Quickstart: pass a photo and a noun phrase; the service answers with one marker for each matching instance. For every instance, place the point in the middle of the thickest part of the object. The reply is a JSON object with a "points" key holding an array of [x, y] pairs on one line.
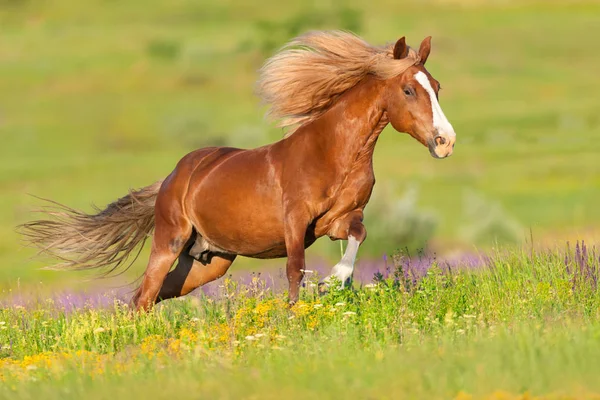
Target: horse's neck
{"points": [[350, 129]]}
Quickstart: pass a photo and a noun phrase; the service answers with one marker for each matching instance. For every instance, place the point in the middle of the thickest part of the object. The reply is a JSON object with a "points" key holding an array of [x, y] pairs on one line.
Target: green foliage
{"points": [[397, 223], [272, 34], [517, 326], [487, 222], [163, 49], [100, 97]]}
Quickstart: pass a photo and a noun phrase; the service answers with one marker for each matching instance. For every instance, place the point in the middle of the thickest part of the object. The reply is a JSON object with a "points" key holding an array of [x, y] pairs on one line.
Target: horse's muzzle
{"points": [[442, 146]]}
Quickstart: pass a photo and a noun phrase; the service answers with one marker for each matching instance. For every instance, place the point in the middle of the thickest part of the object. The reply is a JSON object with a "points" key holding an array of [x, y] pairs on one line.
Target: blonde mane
{"points": [[305, 78]]}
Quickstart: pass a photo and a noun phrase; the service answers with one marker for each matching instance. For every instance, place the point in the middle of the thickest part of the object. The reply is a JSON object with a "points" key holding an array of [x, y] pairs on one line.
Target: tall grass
{"points": [[525, 322]]}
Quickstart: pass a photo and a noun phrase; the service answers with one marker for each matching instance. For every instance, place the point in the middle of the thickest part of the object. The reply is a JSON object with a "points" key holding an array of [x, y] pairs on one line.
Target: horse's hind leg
{"points": [[172, 231], [190, 274]]}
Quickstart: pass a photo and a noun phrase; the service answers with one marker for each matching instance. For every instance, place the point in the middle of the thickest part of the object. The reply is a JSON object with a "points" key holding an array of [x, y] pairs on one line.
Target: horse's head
{"points": [[412, 103]]}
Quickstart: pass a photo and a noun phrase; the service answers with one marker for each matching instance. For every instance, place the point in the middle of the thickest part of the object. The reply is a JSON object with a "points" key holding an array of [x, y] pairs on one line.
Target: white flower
{"points": [[370, 286], [31, 367], [250, 338], [307, 271], [279, 337], [2, 323], [349, 313], [99, 330], [340, 304], [317, 305], [259, 335]]}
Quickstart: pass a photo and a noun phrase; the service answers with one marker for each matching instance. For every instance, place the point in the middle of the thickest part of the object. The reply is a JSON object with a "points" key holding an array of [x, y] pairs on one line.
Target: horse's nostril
{"points": [[439, 140]]}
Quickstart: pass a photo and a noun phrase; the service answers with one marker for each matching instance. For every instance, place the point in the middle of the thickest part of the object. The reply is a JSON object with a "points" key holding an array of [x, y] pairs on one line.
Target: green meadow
{"points": [[102, 96], [524, 327], [99, 97]]}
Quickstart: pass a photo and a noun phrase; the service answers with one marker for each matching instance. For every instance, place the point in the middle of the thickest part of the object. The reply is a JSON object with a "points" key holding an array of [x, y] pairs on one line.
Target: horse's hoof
{"points": [[323, 288]]}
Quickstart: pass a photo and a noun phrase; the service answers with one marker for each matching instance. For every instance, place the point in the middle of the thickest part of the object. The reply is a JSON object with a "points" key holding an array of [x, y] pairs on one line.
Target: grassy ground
{"points": [[96, 98], [523, 327]]}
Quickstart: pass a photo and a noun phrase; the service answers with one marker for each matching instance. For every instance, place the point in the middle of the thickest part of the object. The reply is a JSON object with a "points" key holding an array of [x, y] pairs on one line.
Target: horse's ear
{"points": [[424, 49], [400, 49]]}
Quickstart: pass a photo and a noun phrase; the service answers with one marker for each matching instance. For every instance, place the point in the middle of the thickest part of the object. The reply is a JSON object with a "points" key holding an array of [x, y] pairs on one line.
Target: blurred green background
{"points": [[97, 97]]}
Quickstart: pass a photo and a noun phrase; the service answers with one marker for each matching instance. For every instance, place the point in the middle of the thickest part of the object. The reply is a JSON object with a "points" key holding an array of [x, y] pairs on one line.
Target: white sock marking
{"points": [[440, 122], [344, 269]]}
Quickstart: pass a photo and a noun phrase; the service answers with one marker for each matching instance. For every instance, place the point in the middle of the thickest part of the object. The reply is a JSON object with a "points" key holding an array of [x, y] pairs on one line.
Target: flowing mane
{"points": [[305, 78]]}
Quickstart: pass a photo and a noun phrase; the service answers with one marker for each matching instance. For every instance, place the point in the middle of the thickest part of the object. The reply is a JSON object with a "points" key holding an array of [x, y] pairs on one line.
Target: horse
{"points": [[335, 93]]}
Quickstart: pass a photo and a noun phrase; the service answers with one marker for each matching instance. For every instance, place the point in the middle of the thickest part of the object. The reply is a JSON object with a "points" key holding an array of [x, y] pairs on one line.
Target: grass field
{"points": [[525, 326], [96, 98]]}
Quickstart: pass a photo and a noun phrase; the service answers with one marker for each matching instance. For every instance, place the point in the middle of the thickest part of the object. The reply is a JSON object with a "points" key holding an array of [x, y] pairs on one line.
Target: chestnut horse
{"points": [[274, 201]]}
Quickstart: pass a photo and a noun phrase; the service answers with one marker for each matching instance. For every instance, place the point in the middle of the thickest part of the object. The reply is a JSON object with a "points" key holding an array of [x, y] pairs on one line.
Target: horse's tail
{"points": [[104, 239]]}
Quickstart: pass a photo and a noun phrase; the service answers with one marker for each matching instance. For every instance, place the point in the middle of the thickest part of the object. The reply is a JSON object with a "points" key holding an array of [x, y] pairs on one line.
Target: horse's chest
{"points": [[356, 190], [351, 194]]}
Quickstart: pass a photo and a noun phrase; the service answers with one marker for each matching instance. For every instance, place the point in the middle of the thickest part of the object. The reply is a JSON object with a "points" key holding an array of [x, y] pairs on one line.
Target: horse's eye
{"points": [[407, 92]]}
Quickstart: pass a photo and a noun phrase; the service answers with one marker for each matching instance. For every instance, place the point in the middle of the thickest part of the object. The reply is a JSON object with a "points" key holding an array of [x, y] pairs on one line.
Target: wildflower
{"points": [[317, 305], [280, 337], [307, 271], [31, 367], [99, 330], [460, 331], [347, 313], [370, 286], [291, 317], [259, 335], [340, 304], [195, 319], [250, 338], [2, 323]]}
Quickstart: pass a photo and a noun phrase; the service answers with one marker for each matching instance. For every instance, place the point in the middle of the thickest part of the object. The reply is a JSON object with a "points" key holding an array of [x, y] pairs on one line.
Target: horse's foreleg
{"points": [[295, 232], [352, 229], [190, 274]]}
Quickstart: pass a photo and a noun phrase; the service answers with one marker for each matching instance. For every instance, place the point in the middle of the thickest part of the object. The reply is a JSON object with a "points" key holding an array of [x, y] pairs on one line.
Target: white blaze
{"points": [[440, 122]]}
